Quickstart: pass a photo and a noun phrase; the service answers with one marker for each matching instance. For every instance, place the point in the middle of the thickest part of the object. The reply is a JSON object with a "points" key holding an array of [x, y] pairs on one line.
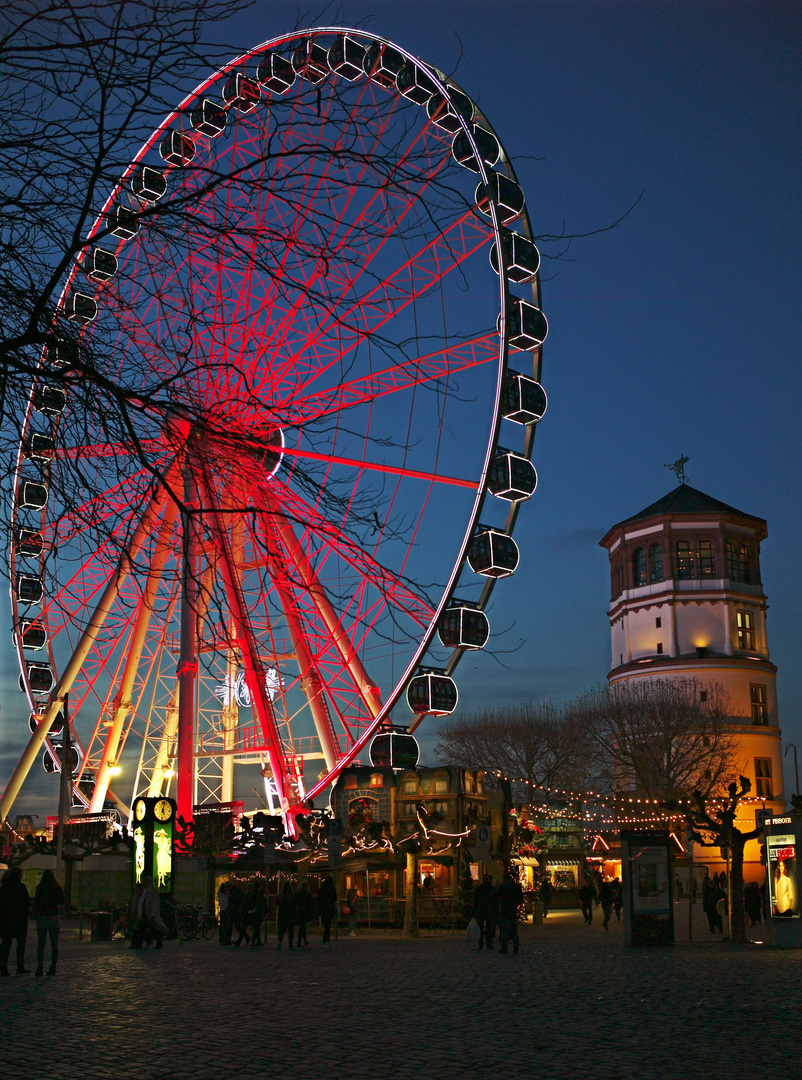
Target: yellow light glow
{"points": [[169, 774], [114, 770]]}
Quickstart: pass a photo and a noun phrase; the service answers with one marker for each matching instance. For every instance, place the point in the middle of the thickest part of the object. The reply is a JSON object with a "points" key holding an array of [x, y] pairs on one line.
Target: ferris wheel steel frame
{"points": [[292, 572]]}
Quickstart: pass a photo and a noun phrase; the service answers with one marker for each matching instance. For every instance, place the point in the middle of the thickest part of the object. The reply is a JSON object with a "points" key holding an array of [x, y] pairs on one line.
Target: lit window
{"points": [[707, 559], [684, 559], [655, 563], [440, 787], [760, 708], [763, 778], [376, 780], [746, 637], [410, 787], [639, 568]]}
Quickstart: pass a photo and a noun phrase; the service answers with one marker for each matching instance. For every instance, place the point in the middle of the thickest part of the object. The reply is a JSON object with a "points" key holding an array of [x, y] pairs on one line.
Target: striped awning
{"points": [[562, 862]]}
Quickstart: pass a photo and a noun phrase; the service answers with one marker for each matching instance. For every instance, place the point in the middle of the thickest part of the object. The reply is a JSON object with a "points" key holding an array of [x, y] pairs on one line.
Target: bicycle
{"points": [[195, 924]]}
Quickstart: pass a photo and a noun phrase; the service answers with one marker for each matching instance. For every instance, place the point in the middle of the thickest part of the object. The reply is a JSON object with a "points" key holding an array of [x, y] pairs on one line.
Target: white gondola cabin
{"points": [[29, 588], [522, 399], [40, 678], [487, 148], [394, 749], [39, 447], [209, 119], [445, 112], [29, 544], [275, 73], [30, 634], [520, 257], [493, 553], [505, 193], [463, 627], [73, 760], [32, 495], [432, 693], [415, 83], [56, 727], [177, 148], [311, 62], [148, 184], [382, 64], [80, 308], [511, 477], [242, 93], [122, 222], [99, 264], [526, 324], [346, 58], [49, 400]]}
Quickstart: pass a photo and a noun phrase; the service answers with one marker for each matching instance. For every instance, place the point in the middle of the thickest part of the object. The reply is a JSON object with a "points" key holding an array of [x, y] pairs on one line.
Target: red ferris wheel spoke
{"points": [[376, 466]]}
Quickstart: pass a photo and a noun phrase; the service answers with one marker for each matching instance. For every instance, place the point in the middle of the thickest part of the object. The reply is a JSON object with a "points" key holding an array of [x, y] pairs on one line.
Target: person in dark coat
{"points": [[618, 898], [286, 913], [246, 912], [15, 905], [48, 900], [327, 907], [586, 898], [304, 911], [545, 894], [509, 897], [606, 901], [485, 911]]}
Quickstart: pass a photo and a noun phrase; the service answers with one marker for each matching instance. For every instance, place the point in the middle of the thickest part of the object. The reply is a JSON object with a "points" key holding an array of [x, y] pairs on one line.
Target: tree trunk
{"points": [[735, 891], [411, 896]]}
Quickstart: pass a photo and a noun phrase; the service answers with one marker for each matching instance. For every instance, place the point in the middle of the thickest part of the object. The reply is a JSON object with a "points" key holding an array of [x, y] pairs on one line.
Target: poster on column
{"points": [[650, 895], [781, 860]]}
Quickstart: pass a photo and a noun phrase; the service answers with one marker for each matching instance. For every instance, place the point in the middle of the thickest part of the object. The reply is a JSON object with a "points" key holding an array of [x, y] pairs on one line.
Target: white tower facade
{"points": [[687, 602]]}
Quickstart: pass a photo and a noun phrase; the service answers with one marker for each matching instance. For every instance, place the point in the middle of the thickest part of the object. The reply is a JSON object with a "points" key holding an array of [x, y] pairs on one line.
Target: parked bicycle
{"points": [[195, 923]]}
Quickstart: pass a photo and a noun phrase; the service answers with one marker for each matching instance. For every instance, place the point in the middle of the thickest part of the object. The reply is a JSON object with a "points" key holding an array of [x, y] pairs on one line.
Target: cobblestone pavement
{"points": [[574, 1003]]}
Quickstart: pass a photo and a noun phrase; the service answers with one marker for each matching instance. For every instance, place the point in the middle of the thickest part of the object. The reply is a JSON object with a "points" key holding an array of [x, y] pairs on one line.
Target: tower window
{"points": [[659, 647], [684, 559], [763, 787], [658, 622], [746, 637], [655, 563], [743, 563], [737, 561], [703, 698], [760, 708], [639, 567], [707, 559]]}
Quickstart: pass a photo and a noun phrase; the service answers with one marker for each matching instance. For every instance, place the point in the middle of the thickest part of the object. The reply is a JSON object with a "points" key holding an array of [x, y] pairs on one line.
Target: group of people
{"points": [[498, 906], [15, 911], [601, 892], [244, 913]]}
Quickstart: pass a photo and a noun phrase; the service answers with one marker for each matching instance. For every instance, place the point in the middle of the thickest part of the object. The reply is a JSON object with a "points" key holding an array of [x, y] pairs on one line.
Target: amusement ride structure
{"points": [[318, 283]]}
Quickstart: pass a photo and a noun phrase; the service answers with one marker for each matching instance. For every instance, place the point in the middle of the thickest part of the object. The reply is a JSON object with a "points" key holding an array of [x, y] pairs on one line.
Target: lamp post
{"points": [[792, 746]]}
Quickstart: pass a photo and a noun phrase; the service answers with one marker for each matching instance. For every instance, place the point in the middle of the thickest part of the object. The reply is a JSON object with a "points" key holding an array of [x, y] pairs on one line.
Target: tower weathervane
{"points": [[678, 468]]}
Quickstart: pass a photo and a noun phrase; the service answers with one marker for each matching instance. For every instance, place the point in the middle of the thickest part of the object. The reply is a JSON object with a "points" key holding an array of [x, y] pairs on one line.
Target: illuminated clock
{"points": [[140, 809], [163, 810]]}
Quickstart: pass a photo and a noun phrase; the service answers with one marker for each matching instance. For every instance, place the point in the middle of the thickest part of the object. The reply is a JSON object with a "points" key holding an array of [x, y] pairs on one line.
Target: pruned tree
{"points": [[713, 825], [533, 745], [661, 738]]}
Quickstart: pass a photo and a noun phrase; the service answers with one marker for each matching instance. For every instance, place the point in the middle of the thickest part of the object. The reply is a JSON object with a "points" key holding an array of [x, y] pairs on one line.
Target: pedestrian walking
{"points": [[352, 903], [48, 900], [15, 906], [485, 911], [285, 905], [586, 898], [149, 923], [246, 913], [545, 894], [618, 898], [509, 897], [224, 926], [305, 909], [606, 901], [327, 907], [256, 914]]}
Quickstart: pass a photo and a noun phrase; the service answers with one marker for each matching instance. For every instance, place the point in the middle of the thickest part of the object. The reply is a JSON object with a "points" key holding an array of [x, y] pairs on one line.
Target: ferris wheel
{"points": [[318, 283]]}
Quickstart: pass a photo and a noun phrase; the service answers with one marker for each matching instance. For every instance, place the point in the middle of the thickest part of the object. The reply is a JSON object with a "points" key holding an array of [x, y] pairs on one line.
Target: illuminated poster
{"points": [[650, 894], [139, 854], [781, 858]]}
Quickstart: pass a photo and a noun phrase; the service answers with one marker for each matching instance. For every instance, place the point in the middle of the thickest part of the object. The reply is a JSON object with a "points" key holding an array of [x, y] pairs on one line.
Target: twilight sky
{"points": [[676, 332]]}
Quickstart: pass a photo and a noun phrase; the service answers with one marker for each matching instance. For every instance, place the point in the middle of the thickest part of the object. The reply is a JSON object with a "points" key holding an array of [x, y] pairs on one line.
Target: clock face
{"points": [[163, 810], [140, 809]]}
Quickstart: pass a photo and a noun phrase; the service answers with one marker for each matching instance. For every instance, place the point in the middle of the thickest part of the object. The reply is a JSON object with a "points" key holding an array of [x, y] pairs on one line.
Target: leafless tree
{"points": [[662, 738], [533, 745]]}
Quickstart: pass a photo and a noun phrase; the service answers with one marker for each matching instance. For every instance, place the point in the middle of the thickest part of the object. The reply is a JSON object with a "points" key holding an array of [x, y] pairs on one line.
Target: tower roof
{"points": [[685, 499]]}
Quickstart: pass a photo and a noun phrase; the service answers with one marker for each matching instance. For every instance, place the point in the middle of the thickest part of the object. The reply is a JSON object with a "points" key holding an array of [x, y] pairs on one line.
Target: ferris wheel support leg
{"points": [[188, 656], [64, 685], [122, 703], [367, 689], [254, 670]]}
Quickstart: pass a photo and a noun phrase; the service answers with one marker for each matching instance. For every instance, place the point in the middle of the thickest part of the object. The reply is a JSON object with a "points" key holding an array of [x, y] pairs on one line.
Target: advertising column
{"points": [[785, 925], [647, 884]]}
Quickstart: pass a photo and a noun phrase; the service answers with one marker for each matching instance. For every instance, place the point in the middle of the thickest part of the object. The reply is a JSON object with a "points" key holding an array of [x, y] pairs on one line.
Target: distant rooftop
{"points": [[685, 499]]}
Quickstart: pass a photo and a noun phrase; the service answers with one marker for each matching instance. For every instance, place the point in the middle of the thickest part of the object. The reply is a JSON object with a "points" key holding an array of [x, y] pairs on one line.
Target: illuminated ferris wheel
{"points": [[319, 280]]}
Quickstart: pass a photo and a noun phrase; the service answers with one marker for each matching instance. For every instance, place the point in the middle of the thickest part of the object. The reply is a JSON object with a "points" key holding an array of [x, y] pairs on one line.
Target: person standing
{"points": [[509, 897], [586, 897], [545, 893], [15, 905], [285, 905], [618, 898], [352, 903], [485, 909], [327, 907], [224, 927], [48, 900], [149, 922], [305, 909], [606, 901]]}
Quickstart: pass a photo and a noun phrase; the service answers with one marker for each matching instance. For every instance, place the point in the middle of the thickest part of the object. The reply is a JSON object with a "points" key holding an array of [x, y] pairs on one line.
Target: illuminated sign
{"points": [[154, 841], [781, 860], [234, 688]]}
